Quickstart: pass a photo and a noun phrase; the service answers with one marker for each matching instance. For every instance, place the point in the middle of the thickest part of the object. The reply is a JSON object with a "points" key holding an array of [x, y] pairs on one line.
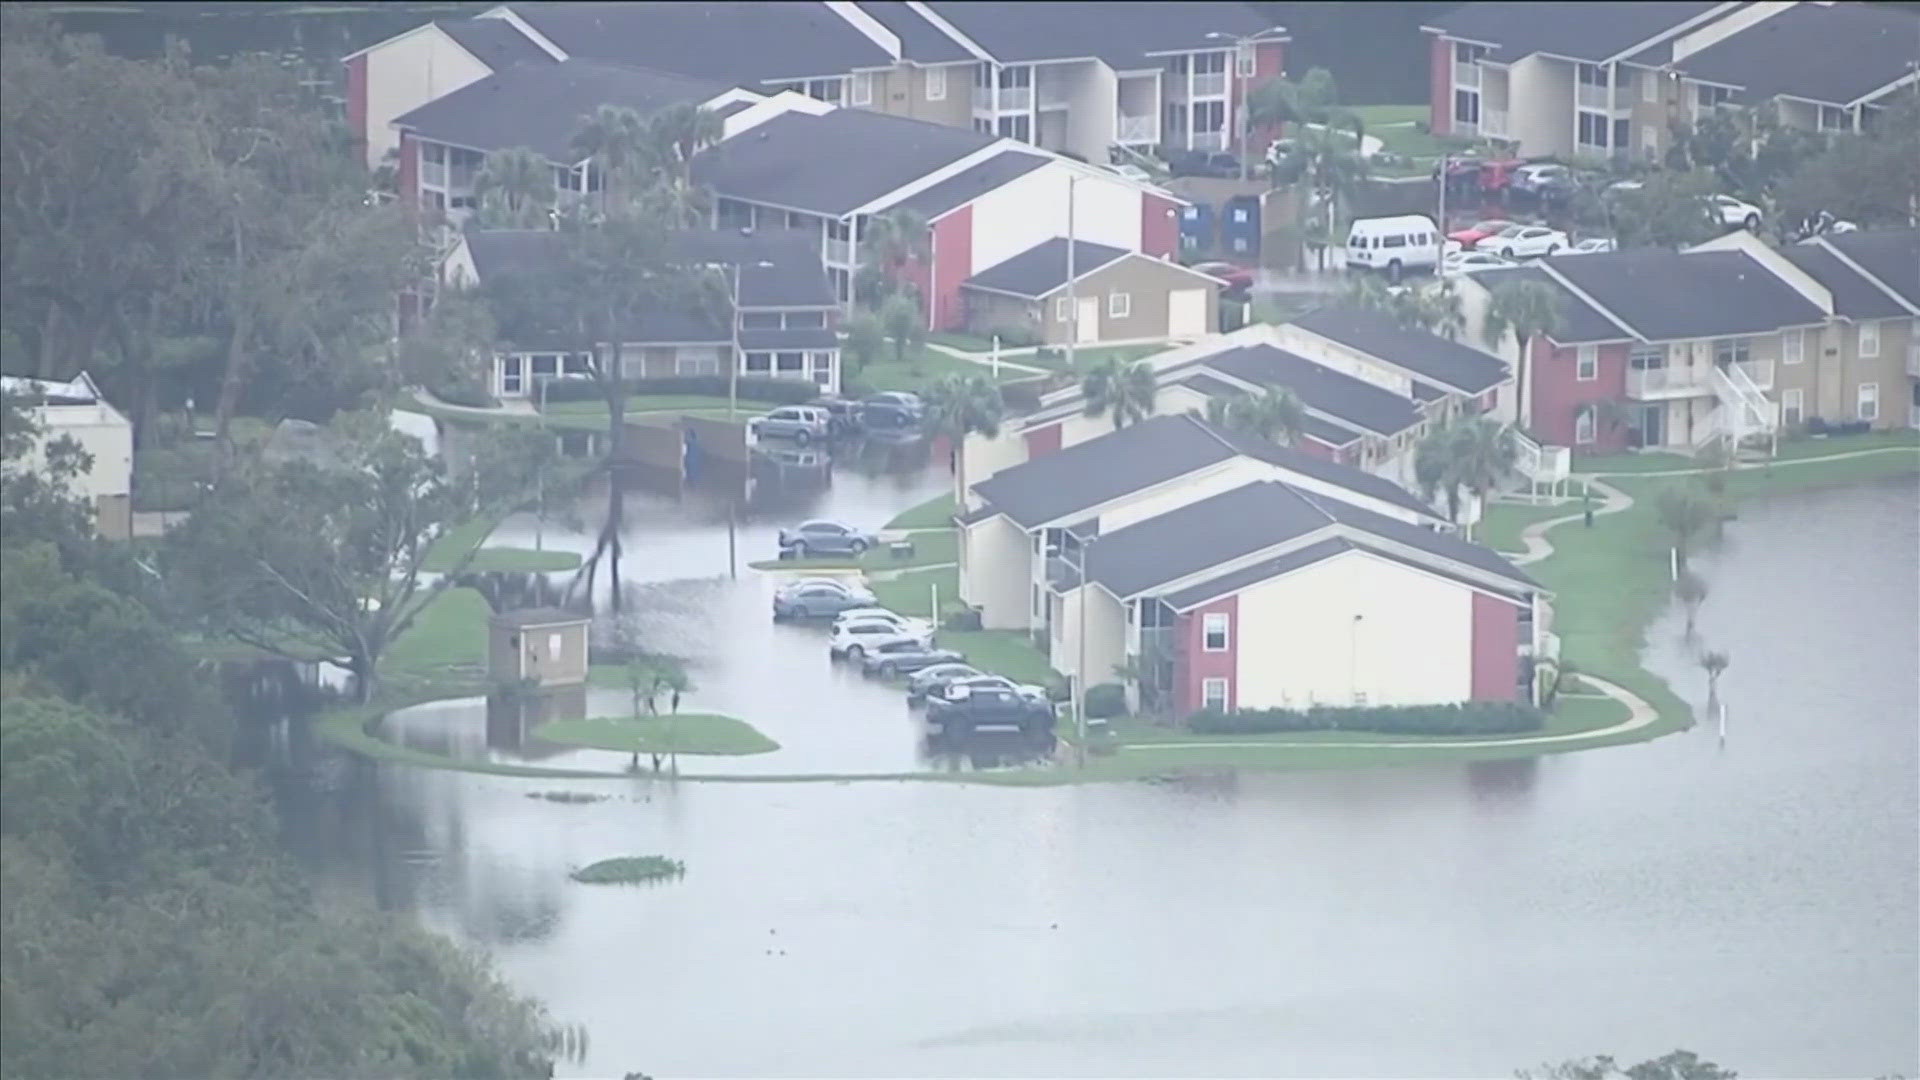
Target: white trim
{"points": [[952, 31], [1584, 417], [1676, 30], [1206, 632], [405, 34], [860, 88], [875, 32], [1581, 295], [1119, 304], [1861, 399], [1862, 337], [1226, 692], [1909, 77], [1793, 400], [1862, 271], [1063, 309], [1793, 347], [1586, 356], [927, 82], [944, 172], [513, 18]]}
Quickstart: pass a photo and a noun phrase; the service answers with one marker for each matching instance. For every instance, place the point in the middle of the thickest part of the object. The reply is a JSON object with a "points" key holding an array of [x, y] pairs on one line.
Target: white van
{"points": [[1394, 244]]}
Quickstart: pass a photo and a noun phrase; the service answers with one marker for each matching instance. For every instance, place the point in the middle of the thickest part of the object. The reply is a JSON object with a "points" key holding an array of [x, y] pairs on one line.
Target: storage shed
{"points": [[547, 645]]}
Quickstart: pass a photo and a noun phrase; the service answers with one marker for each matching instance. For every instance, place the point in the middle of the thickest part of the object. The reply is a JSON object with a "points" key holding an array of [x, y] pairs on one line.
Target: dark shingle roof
{"points": [[1592, 31], [833, 163], [1331, 472], [1203, 534], [1891, 255], [1429, 356], [1258, 572], [731, 41], [1136, 457], [1328, 432], [496, 43], [1853, 296], [541, 106], [1444, 545], [1668, 295], [1579, 322], [1352, 400], [1836, 53], [920, 40], [969, 184], [1120, 34], [1042, 268]]}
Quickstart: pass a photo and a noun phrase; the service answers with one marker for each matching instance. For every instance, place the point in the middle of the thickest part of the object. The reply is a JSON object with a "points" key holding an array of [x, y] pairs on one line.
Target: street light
{"points": [[1241, 111], [734, 361], [540, 465], [1353, 654]]}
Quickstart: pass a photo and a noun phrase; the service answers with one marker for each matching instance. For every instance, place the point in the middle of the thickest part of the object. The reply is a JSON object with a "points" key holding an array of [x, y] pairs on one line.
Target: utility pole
{"points": [[1446, 178], [540, 472], [1080, 665], [1073, 297]]}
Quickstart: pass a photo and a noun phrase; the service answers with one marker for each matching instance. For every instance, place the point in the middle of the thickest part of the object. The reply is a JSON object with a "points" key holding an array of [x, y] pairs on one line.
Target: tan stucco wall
{"points": [[1830, 375], [538, 658], [902, 91], [1147, 282]]}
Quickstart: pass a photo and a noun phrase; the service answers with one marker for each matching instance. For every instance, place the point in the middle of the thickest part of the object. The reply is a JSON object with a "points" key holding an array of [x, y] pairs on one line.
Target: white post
{"points": [[1673, 563], [995, 365], [933, 593], [1073, 297]]}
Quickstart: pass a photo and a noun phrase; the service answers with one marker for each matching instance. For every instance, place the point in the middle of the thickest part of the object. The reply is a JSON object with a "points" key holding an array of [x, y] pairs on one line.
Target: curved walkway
{"points": [[1534, 536], [1748, 466]]}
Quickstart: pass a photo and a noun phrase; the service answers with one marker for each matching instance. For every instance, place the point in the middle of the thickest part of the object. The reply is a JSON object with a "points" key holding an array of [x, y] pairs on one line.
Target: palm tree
{"points": [[1685, 511], [516, 189], [864, 339], [1483, 454], [1125, 393], [959, 406], [903, 325], [1440, 310], [1275, 414], [1691, 590], [1328, 165], [1526, 310], [1713, 663], [895, 240], [616, 144], [674, 135]]}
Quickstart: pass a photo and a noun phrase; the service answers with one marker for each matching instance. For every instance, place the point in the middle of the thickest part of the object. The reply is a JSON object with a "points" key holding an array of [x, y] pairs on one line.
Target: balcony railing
{"points": [[1667, 382], [1209, 140], [1012, 98], [1588, 96], [839, 251], [1913, 359], [1466, 75], [1136, 129], [1759, 371], [1493, 123], [1210, 84], [433, 173]]}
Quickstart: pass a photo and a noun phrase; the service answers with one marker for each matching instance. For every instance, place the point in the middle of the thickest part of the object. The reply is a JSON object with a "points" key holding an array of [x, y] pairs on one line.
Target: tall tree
{"points": [[674, 136], [1330, 166], [1276, 414], [1525, 310], [959, 406], [1483, 455], [516, 190], [1668, 210], [1685, 512], [1124, 392], [894, 241], [616, 145], [1691, 590], [1435, 308], [864, 342], [905, 327]]}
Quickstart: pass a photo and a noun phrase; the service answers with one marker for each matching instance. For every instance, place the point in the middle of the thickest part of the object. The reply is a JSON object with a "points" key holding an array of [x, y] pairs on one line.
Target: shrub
{"points": [[632, 870], [1464, 718], [1022, 396], [470, 393], [968, 619], [1106, 700]]}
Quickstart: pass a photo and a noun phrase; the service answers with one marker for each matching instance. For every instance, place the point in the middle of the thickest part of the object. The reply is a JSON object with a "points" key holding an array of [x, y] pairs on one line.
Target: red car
{"points": [[1477, 232], [1238, 278]]}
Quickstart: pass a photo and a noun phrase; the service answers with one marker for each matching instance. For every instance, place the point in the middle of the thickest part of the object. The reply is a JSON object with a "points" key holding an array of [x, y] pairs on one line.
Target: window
{"points": [[936, 84], [1063, 310], [1592, 75], [697, 362], [1243, 61], [1209, 115], [1213, 694], [1832, 119], [1792, 406], [1622, 132], [1586, 363], [1119, 305], [1866, 405], [863, 88], [575, 364], [759, 320], [1015, 127], [827, 90], [1869, 340], [1710, 97], [789, 363], [1213, 632], [511, 373], [1210, 63], [759, 363], [1177, 64], [1583, 427], [1466, 107], [1647, 358], [1650, 87], [545, 366], [1592, 129], [1468, 54], [806, 320], [1393, 241], [1013, 78], [1731, 351], [433, 153], [1793, 346]]}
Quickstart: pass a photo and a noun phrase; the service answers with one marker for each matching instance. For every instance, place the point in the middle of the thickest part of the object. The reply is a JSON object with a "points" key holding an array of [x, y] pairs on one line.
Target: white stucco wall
{"points": [[982, 457], [1017, 215], [406, 73], [102, 432], [1299, 644], [1540, 105], [1093, 99], [996, 571], [1106, 636]]}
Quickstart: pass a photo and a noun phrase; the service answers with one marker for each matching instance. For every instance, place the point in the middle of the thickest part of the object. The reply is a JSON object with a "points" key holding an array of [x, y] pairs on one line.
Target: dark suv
{"points": [[990, 707]]}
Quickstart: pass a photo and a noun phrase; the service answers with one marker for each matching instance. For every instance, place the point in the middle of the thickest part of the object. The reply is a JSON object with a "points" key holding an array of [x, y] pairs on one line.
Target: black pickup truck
{"points": [[990, 707]]}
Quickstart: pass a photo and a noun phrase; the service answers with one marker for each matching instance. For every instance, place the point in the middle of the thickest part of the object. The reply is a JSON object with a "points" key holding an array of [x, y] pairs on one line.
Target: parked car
{"points": [[1213, 163], [932, 681], [1531, 178], [843, 416], [1470, 262], [818, 600], [1526, 241], [903, 655], [1239, 278], [1393, 244], [1477, 232], [891, 409], [810, 538], [1731, 212], [853, 639], [906, 625], [801, 423], [991, 707], [1592, 245]]}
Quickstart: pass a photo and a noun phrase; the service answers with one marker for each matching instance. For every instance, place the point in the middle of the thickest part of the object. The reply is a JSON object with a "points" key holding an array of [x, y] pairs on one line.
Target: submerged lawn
{"points": [[676, 733], [935, 513]]}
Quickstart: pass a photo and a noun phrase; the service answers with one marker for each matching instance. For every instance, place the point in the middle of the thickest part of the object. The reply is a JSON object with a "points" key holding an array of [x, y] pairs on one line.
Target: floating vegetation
{"points": [[568, 796], [631, 870]]}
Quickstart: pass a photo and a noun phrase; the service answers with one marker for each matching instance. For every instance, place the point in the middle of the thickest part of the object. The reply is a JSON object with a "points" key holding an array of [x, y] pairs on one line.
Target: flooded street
{"points": [[1754, 901]]}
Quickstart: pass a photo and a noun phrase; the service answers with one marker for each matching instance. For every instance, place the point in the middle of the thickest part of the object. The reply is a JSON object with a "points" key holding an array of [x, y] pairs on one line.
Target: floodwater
{"points": [[1753, 899]]}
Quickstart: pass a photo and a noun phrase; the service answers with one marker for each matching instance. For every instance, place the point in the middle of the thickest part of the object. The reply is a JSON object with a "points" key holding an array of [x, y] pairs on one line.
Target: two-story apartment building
{"points": [[1765, 338], [1076, 77], [783, 326]]}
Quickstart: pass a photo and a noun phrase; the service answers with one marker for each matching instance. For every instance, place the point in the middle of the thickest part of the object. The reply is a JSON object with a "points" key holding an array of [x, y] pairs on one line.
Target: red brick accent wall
{"points": [[1496, 649], [1159, 226], [1440, 89], [952, 264], [409, 182], [357, 100], [1196, 664], [1043, 441], [1559, 395], [1269, 63], [1313, 447]]}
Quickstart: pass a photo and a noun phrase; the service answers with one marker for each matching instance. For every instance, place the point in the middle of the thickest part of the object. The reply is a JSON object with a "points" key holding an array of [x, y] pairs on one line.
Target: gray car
{"points": [[818, 600], [824, 538], [903, 655], [801, 423], [931, 681]]}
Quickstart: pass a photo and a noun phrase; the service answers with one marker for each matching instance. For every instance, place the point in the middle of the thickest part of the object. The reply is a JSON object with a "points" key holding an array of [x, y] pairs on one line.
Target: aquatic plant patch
{"points": [[630, 870]]}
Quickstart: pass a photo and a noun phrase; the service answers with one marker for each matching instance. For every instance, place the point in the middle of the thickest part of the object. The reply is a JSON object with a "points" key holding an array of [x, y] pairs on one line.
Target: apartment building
{"points": [[1823, 67], [1077, 77]]}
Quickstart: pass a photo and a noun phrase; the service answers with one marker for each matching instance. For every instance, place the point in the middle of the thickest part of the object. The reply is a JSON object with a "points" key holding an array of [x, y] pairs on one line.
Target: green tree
{"points": [[1525, 310], [894, 241], [1483, 454], [1713, 663], [865, 338], [1331, 168], [959, 406], [1685, 511], [1276, 414], [448, 351], [1677, 1065], [1867, 179], [1668, 210], [904, 326], [1124, 392], [674, 136], [1691, 590], [516, 190], [614, 142]]}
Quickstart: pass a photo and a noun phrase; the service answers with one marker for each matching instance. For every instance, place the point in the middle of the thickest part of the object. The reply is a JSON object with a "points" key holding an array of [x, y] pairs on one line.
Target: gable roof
{"points": [[834, 163], [730, 41], [1323, 430], [541, 106], [1580, 324], [1891, 256], [1042, 268], [1138, 456], [1854, 295], [1122, 35], [1726, 293], [1358, 481], [1798, 52], [496, 43], [1429, 356], [920, 41], [1352, 400], [970, 183], [1594, 32]]}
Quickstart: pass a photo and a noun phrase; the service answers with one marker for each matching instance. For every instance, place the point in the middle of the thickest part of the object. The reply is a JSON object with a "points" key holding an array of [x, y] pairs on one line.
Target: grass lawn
{"points": [[954, 339], [451, 631], [455, 542], [935, 513], [1501, 525], [923, 369], [1008, 653], [910, 593], [1570, 715], [1090, 356], [1796, 450], [685, 733], [1377, 115]]}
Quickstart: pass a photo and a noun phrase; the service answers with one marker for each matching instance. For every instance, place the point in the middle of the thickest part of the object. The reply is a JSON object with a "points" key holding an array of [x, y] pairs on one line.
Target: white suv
{"points": [[853, 639]]}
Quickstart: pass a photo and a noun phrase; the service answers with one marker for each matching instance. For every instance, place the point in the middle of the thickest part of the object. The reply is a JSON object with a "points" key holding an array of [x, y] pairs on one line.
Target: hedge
{"points": [[749, 388], [1106, 700], [1464, 718]]}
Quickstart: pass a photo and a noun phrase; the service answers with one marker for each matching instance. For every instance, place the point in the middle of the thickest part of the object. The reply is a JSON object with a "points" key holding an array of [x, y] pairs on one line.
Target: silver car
{"points": [[801, 423]]}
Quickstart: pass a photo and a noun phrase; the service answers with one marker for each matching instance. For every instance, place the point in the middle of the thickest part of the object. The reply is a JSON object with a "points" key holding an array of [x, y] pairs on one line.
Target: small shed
{"points": [[547, 645]]}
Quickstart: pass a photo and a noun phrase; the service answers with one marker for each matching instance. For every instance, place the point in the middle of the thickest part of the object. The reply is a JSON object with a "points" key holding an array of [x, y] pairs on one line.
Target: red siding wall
{"points": [[1440, 88], [1558, 395], [1496, 649], [952, 264], [409, 184], [1313, 447], [1043, 441], [1159, 226], [357, 100], [1269, 63], [1195, 664]]}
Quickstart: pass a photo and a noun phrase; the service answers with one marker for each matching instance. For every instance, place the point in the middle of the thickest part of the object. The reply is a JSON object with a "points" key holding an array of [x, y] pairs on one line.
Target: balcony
{"points": [[1668, 382], [1493, 123], [433, 174], [1012, 99], [1759, 372], [1913, 359], [1594, 98], [839, 251], [1466, 76], [1210, 84], [1137, 130]]}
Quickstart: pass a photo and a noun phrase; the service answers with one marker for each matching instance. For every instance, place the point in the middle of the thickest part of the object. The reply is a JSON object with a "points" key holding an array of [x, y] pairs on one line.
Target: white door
{"points": [[1187, 313], [1087, 326]]}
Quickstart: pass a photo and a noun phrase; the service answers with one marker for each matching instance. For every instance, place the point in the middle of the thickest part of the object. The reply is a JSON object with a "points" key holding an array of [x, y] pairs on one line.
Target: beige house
{"points": [[75, 410], [546, 645], [1116, 295]]}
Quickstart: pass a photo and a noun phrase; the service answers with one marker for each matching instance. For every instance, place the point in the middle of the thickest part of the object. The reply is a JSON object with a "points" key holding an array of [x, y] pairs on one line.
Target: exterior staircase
{"points": [[1742, 414], [1544, 470]]}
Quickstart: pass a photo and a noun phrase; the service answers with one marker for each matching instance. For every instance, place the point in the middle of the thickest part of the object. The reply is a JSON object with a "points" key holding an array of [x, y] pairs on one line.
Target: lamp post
{"points": [[540, 468], [1353, 657], [1073, 293], [1239, 100]]}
